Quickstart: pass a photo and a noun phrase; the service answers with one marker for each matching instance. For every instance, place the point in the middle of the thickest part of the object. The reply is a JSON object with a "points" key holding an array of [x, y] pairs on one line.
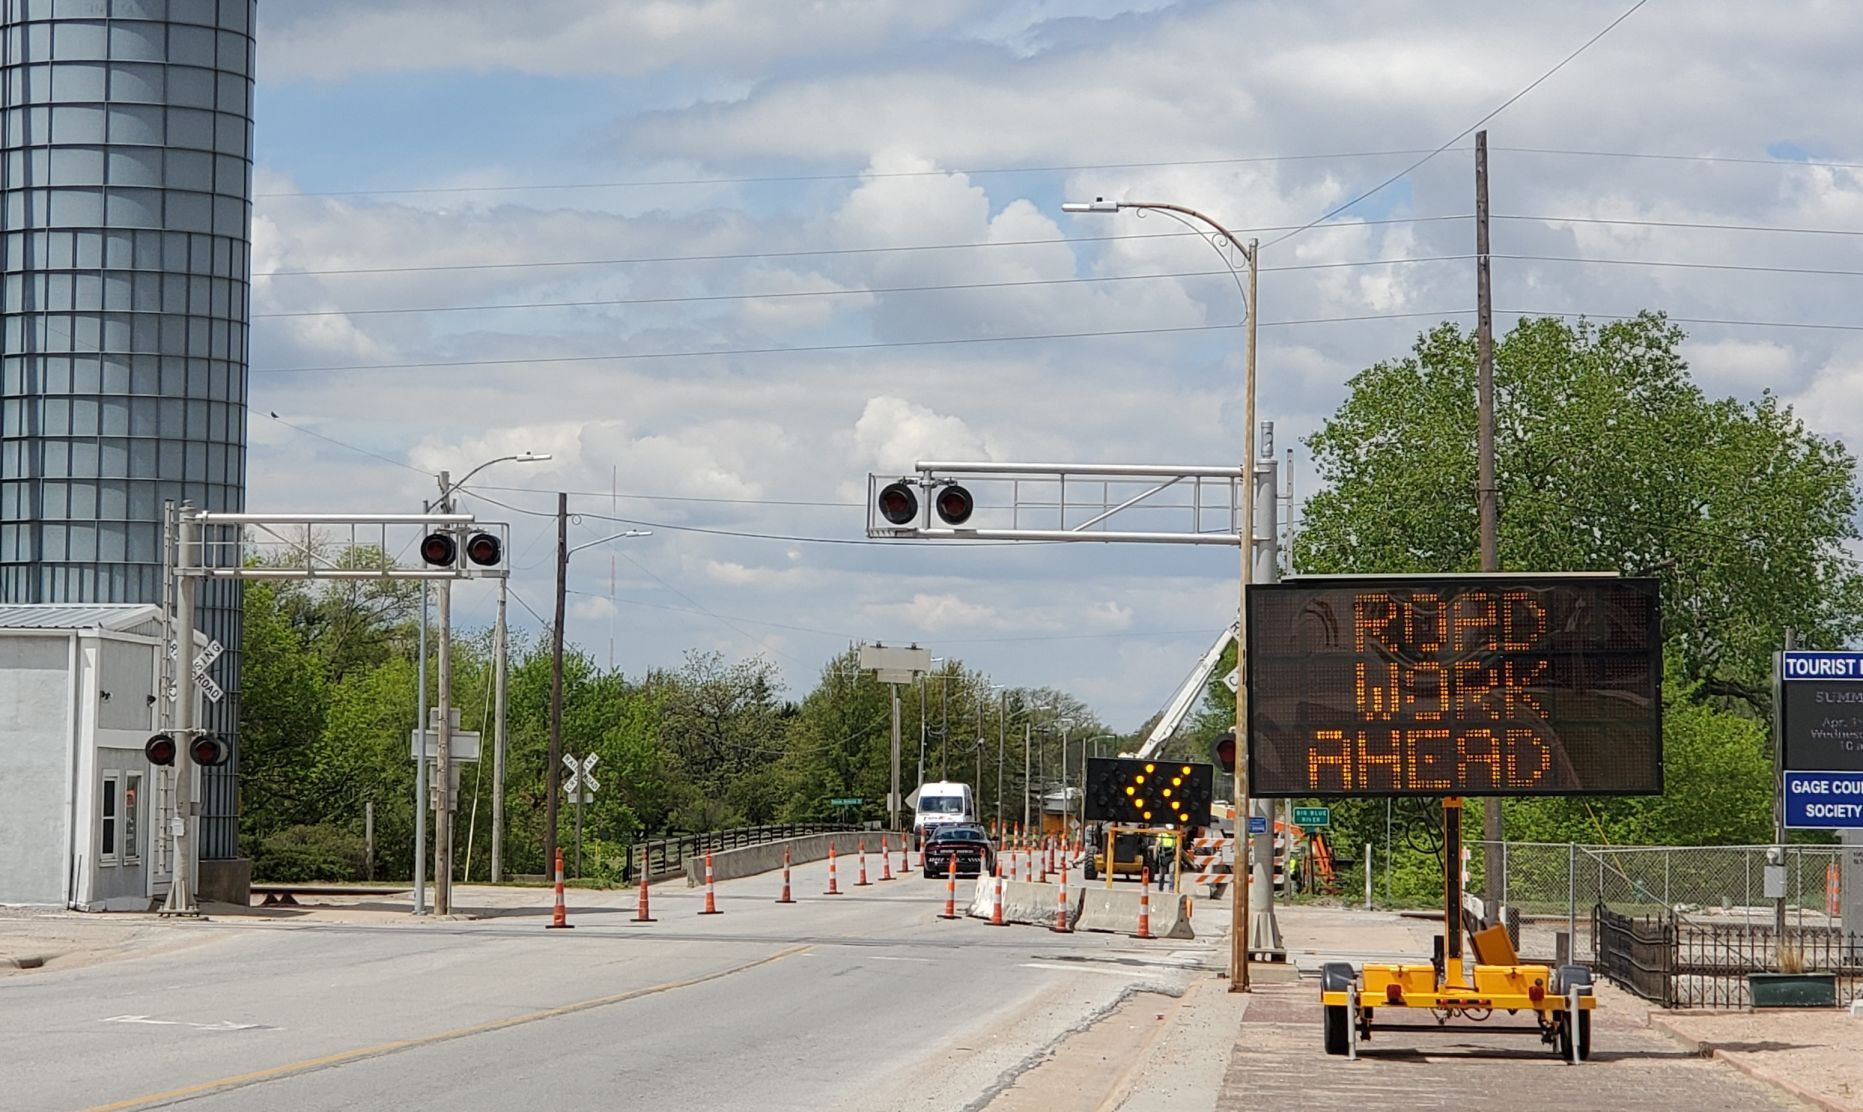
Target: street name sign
{"points": [[1313, 817]]}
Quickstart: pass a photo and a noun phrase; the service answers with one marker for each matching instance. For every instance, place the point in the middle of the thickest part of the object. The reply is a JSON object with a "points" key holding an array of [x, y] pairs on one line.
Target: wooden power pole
{"points": [[1486, 503], [555, 761]]}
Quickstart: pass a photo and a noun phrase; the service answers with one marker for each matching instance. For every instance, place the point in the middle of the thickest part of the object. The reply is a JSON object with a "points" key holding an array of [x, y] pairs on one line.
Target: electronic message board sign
{"points": [[1455, 685]]}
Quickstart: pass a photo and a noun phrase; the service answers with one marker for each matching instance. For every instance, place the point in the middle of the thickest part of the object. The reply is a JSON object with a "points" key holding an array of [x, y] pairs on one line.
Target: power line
{"points": [[818, 348], [1690, 225], [681, 498], [1502, 107], [344, 444], [805, 253], [845, 292], [873, 175]]}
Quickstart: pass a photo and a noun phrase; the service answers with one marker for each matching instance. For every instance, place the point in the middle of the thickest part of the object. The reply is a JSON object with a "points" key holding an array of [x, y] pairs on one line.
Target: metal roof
{"points": [[139, 618]]}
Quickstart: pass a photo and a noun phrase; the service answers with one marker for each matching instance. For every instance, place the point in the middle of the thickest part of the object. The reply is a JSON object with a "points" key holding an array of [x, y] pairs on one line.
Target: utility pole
{"points": [[443, 756], [1241, 924], [501, 649], [555, 758], [893, 798], [1028, 731], [1002, 744], [181, 825], [1485, 501]]}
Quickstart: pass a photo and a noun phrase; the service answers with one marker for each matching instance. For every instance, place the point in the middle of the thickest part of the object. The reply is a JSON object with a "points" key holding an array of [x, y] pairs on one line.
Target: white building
{"points": [[80, 806]]}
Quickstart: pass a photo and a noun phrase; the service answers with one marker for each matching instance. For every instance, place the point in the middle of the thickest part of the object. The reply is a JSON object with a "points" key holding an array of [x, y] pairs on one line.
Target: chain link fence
{"points": [[1554, 887]]}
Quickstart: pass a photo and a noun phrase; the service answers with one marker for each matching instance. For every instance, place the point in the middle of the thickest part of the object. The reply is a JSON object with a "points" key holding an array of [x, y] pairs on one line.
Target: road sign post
{"points": [[580, 786]]}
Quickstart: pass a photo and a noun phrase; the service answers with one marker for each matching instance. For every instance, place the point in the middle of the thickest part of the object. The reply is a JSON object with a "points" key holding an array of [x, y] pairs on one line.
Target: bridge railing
{"points": [[667, 856]]}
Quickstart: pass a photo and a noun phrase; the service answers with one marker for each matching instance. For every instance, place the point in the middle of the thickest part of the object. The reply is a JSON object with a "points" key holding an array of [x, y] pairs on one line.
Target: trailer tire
{"points": [[1090, 870], [1337, 1033], [1582, 1021]]}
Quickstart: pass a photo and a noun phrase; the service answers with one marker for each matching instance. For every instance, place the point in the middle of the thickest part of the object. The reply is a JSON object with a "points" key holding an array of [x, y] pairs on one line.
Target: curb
{"points": [[1757, 1073], [25, 961]]}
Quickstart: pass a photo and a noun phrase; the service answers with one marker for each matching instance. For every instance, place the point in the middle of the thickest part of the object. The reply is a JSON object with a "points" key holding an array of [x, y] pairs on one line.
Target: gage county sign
{"points": [[1455, 685]]}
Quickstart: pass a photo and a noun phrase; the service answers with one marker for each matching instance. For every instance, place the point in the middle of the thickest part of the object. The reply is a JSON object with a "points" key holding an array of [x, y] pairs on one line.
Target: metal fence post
{"points": [[1667, 855], [1571, 898]]}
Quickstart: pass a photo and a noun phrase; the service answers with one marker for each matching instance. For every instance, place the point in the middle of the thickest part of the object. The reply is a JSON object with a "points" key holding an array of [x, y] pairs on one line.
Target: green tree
{"points": [[1608, 458]]}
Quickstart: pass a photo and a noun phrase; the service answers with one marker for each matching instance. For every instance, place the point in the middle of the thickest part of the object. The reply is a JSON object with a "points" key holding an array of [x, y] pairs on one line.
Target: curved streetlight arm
{"points": [[605, 540], [1100, 204], [448, 486]]}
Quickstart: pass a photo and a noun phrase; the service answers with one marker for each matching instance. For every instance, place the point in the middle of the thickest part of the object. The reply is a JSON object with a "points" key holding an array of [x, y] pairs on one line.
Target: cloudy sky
{"points": [[603, 228]]}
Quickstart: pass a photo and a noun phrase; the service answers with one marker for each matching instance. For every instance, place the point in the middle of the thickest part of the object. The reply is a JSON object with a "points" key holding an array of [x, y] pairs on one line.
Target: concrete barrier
{"points": [[1116, 911], [729, 864], [1024, 901]]}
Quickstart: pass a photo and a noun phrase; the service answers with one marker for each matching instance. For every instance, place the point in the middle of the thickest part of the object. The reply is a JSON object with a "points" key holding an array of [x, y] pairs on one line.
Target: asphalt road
{"points": [[860, 1001]]}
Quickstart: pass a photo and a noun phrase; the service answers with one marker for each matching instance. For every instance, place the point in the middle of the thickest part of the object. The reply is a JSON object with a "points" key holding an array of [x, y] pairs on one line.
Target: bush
{"points": [[299, 854]]}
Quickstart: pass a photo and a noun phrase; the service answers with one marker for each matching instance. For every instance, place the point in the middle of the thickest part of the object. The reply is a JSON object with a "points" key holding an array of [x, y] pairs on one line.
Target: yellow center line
{"points": [[343, 1057]]}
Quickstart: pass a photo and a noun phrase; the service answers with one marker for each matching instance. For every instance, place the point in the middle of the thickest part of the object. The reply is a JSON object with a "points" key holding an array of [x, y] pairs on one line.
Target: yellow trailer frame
{"points": [[1560, 1000]]}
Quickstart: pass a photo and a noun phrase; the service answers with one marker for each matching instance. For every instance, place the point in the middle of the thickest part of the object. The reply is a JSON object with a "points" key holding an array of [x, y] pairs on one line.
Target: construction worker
{"points": [[1167, 856]]}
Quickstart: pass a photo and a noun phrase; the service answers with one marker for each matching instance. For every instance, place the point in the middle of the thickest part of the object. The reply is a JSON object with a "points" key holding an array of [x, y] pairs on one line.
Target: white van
{"points": [[940, 803]]}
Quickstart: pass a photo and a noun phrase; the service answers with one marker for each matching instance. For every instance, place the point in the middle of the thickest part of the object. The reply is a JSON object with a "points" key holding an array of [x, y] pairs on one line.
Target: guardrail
{"points": [[666, 857]]}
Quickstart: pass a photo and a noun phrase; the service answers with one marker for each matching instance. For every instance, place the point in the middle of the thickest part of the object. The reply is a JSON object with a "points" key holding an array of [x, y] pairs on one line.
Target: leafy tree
{"points": [[1608, 458]]}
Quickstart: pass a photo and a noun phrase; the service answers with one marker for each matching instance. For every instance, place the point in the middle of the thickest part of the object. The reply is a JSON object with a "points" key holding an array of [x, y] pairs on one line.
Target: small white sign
{"points": [[1233, 680], [207, 656], [209, 688]]}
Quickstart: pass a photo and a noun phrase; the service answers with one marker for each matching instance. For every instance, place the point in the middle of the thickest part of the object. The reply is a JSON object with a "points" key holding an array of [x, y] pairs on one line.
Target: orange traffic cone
{"points": [[785, 898], [996, 910], [833, 888], [861, 881], [559, 919], [1144, 930], [950, 890], [711, 902], [886, 860], [641, 915], [1061, 925], [905, 861]]}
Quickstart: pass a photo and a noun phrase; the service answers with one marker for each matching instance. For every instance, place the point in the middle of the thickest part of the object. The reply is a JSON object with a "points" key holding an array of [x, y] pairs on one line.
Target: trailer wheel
{"points": [[1583, 1023], [1091, 870], [1337, 1033]]}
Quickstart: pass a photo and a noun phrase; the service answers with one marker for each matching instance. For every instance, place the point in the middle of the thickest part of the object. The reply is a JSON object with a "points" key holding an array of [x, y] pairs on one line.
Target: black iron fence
{"points": [[668, 856], [1676, 962], [1637, 953]]}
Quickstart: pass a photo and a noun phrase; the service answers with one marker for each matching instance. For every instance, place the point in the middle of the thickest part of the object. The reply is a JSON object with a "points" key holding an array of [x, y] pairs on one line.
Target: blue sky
{"points": [[892, 112]]}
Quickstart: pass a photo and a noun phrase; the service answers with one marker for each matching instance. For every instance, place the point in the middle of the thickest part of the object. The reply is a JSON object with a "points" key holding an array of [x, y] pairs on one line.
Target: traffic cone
{"points": [[921, 853], [861, 881], [559, 919], [905, 861], [711, 902], [1144, 930], [833, 888], [642, 915], [785, 898], [996, 910], [886, 860], [1061, 925], [950, 890]]}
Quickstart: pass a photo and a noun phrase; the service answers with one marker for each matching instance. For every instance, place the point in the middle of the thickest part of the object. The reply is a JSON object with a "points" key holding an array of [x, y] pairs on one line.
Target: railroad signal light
{"points": [[160, 750], [484, 550], [1224, 751], [439, 550], [955, 505], [898, 504], [209, 751]]}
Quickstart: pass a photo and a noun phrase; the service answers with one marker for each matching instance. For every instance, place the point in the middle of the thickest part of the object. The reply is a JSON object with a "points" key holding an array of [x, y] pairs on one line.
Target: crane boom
{"points": [[1178, 708]]}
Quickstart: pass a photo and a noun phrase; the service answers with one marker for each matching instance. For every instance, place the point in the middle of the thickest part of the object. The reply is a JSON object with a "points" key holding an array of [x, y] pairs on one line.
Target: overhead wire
{"points": [[1464, 133], [883, 175]]}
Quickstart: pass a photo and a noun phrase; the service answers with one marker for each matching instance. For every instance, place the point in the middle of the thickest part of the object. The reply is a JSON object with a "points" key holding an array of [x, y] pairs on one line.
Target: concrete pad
{"points": [[1116, 911]]}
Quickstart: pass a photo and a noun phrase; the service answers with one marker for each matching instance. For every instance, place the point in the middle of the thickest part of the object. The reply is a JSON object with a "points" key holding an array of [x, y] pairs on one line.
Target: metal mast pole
{"points": [[501, 649], [180, 826], [420, 761], [443, 756], [1002, 744], [555, 759], [1028, 729], [1486, 496]]}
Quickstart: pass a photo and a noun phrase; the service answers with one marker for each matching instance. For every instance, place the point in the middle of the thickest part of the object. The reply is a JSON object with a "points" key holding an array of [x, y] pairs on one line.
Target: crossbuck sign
{"points": [[581, 784]]}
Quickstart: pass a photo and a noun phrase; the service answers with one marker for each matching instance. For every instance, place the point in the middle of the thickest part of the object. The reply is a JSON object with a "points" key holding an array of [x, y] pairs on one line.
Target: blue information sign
{"points": [[1257, 825], [1821, 666], [1824, 800]]}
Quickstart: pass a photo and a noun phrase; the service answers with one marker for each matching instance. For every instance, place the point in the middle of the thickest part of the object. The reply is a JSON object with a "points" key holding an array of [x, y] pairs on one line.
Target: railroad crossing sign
{"points": [[1233, 680], [204, 661], [581, 785]]}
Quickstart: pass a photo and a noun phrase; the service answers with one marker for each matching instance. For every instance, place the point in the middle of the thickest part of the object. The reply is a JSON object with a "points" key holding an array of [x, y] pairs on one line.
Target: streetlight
{"points": [[443, 757], [555, 759], [1251, 253]]}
